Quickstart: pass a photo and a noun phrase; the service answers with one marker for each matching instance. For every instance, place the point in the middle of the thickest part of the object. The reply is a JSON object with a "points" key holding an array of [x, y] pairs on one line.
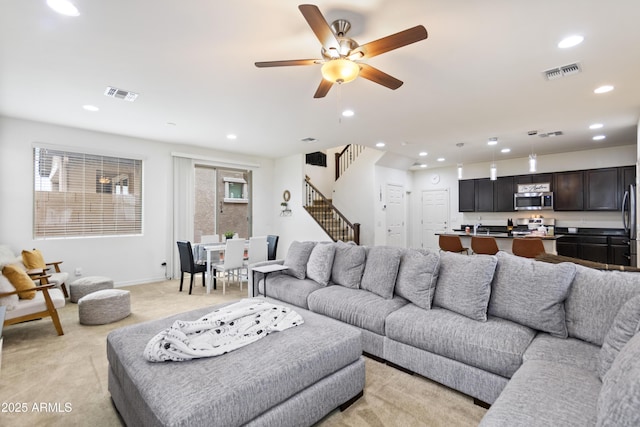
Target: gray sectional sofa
{"points": [[543, 344]]}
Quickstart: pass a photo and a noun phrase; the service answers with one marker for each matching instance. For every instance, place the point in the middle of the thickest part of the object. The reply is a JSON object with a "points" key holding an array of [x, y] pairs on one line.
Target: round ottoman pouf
{"points": [[102, 307], [86, 285]]}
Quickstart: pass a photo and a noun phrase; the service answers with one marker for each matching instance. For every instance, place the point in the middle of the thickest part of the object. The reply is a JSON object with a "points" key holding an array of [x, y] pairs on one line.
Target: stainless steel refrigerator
{"points": [[629, 222]]}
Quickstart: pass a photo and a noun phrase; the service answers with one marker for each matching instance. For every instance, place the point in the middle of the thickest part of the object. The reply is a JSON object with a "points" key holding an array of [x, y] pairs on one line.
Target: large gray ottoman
{"points": [[85, 285], [289, 378], [105, 306]]}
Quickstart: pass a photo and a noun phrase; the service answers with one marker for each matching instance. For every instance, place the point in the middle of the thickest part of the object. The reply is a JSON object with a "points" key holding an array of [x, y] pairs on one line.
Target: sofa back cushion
{"points": [[464, 284], [381, 270], [297, 258], [625, 326], [417, 276], [531, 292], [618, 398], [348, 264], [595, 299], [320, 263]]}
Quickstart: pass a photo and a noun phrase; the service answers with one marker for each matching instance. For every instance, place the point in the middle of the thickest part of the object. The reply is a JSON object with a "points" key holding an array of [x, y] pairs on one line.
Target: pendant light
{"points": [[532, 163], [460, 145], [493, 169], [493, 172]]}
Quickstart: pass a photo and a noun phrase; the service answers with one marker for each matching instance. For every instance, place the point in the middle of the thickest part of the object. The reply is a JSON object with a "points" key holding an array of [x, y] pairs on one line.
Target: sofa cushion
{"points": [[297, 258], [531, 292], [381, 270], [10, 301], [289, 289], [595, 299], [625, 326], [20, 280], [571, 351], [320, 263], [464, 284], [417, 276], [356, 307], [620, 395], [496, 345], [545, 393], [348, 264]]}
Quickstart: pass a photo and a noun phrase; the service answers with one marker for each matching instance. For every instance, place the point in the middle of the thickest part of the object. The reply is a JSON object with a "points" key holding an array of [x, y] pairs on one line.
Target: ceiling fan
{"points": [[340, 54]]}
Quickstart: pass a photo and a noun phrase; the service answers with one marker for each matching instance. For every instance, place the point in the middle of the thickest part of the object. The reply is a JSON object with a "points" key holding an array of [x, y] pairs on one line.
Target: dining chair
{"points": [[233, 262], [210, 238], [528, 247], [451, 244], [188, 265], [272, 241], [484, 245]]}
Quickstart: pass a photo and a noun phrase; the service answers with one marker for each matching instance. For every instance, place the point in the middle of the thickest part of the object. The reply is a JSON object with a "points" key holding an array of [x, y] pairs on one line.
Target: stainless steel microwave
{"points": [[533, 201]]}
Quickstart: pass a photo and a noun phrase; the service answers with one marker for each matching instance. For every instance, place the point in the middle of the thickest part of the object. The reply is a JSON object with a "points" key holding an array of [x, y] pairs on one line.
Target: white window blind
{"points": [[82, 195]]}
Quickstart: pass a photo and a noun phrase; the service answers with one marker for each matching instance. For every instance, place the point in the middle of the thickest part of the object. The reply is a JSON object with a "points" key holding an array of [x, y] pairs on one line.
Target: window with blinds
{"points": [[85, 195]]}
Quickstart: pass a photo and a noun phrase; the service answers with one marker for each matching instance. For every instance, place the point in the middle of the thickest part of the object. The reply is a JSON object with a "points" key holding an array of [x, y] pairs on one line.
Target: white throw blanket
{"points": [[220, 331]]}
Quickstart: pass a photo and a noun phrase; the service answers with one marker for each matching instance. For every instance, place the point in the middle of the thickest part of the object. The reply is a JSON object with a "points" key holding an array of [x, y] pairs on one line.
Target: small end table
{"points": [[266, 269]]}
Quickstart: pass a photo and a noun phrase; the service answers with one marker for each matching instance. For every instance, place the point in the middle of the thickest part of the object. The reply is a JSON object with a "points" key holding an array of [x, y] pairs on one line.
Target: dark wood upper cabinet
{"points": [[601, 190], [484, 195], [466, 195], [503, 189], [568, 193]]}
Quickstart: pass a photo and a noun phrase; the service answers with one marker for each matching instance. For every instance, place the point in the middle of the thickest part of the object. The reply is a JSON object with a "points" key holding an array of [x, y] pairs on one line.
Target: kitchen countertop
{"points": [[497, 235]]}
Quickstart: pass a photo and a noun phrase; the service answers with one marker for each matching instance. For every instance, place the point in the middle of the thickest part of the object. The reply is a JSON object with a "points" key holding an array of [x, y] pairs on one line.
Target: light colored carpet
{"points": [[62, 381]]}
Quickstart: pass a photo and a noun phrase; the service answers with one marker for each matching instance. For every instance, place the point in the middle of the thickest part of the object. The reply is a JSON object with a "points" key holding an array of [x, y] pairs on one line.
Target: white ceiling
{"points": [[478, 75]]}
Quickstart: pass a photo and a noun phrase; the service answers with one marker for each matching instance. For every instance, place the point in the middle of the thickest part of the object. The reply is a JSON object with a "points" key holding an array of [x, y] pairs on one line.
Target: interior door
{"points": [[435, 216], [395, 215]]}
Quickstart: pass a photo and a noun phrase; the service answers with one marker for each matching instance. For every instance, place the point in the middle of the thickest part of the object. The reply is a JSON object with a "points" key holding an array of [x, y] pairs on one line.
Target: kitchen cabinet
{"points": [[601, 190], [536, 178], [568, 193], [467, 195], [602, 249], [567, 246], [594, 248], [484, 195], [503, 189], [619, 251]]}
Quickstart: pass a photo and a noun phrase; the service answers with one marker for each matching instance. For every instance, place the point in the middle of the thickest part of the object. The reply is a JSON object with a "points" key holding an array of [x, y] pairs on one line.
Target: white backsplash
{"points": [[563, 219]]}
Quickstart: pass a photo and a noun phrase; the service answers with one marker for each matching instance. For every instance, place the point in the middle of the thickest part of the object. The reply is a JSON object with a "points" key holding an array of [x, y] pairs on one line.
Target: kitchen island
{"points": [[504, 240]]}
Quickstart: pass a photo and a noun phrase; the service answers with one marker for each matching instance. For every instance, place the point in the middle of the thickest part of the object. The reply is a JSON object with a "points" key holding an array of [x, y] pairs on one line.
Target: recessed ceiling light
{"points": [[232, 136], [440, 159], [380, 144], [603, 89], [599, 137], [348, 113], [505, 150], [570, 41], [63, 7], [91, 108], [424, 165], [492, 141], [596, 126], [422, 153]]}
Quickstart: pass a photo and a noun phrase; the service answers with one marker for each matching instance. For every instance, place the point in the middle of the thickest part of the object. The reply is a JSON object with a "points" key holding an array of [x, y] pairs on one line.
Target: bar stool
{"points": [[484, 245], [527, 247], [452, 244]]}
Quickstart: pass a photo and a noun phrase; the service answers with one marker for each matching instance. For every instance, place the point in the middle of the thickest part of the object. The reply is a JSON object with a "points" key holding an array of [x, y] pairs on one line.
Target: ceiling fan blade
{"points": [[288, 63], [370, 73], [319, 25], [391, 42], [323, 89]]}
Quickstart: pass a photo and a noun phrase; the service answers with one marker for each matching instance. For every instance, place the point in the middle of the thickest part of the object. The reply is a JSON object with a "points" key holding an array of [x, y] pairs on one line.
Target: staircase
{"points": [[346, 157], [332, 221]]}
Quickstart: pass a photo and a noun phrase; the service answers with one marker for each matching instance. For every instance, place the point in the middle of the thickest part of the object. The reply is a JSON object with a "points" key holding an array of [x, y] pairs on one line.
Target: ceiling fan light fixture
{"points": [[340, 70]]}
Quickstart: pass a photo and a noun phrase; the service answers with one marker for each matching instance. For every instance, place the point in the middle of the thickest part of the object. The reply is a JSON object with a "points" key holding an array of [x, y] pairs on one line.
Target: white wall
{"points": [[382, 177], [591, 159], [128, 260]]}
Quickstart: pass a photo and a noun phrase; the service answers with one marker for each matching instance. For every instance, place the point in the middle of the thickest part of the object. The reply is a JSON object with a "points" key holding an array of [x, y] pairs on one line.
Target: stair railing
{"points": [[332, 221], [346, 157]]}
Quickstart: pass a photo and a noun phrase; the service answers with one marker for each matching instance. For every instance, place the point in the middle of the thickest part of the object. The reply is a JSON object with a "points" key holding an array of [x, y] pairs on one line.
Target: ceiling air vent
{"points": [[308, 139], [551, 134], [565, 70], [114, 92]]}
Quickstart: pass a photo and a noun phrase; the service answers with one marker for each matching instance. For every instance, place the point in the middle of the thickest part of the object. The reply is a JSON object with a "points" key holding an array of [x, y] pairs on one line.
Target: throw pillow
{"points": [[464, 284], [532, 292], [20, 280], [381, 270], [33, 260], [417, 276], [297, 258], [320, 263], [625, 326], [348, 264], [10, 301]]}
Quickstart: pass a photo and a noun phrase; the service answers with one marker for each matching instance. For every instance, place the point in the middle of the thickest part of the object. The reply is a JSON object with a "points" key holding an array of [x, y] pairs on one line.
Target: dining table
{"points": [[219, 248]]}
